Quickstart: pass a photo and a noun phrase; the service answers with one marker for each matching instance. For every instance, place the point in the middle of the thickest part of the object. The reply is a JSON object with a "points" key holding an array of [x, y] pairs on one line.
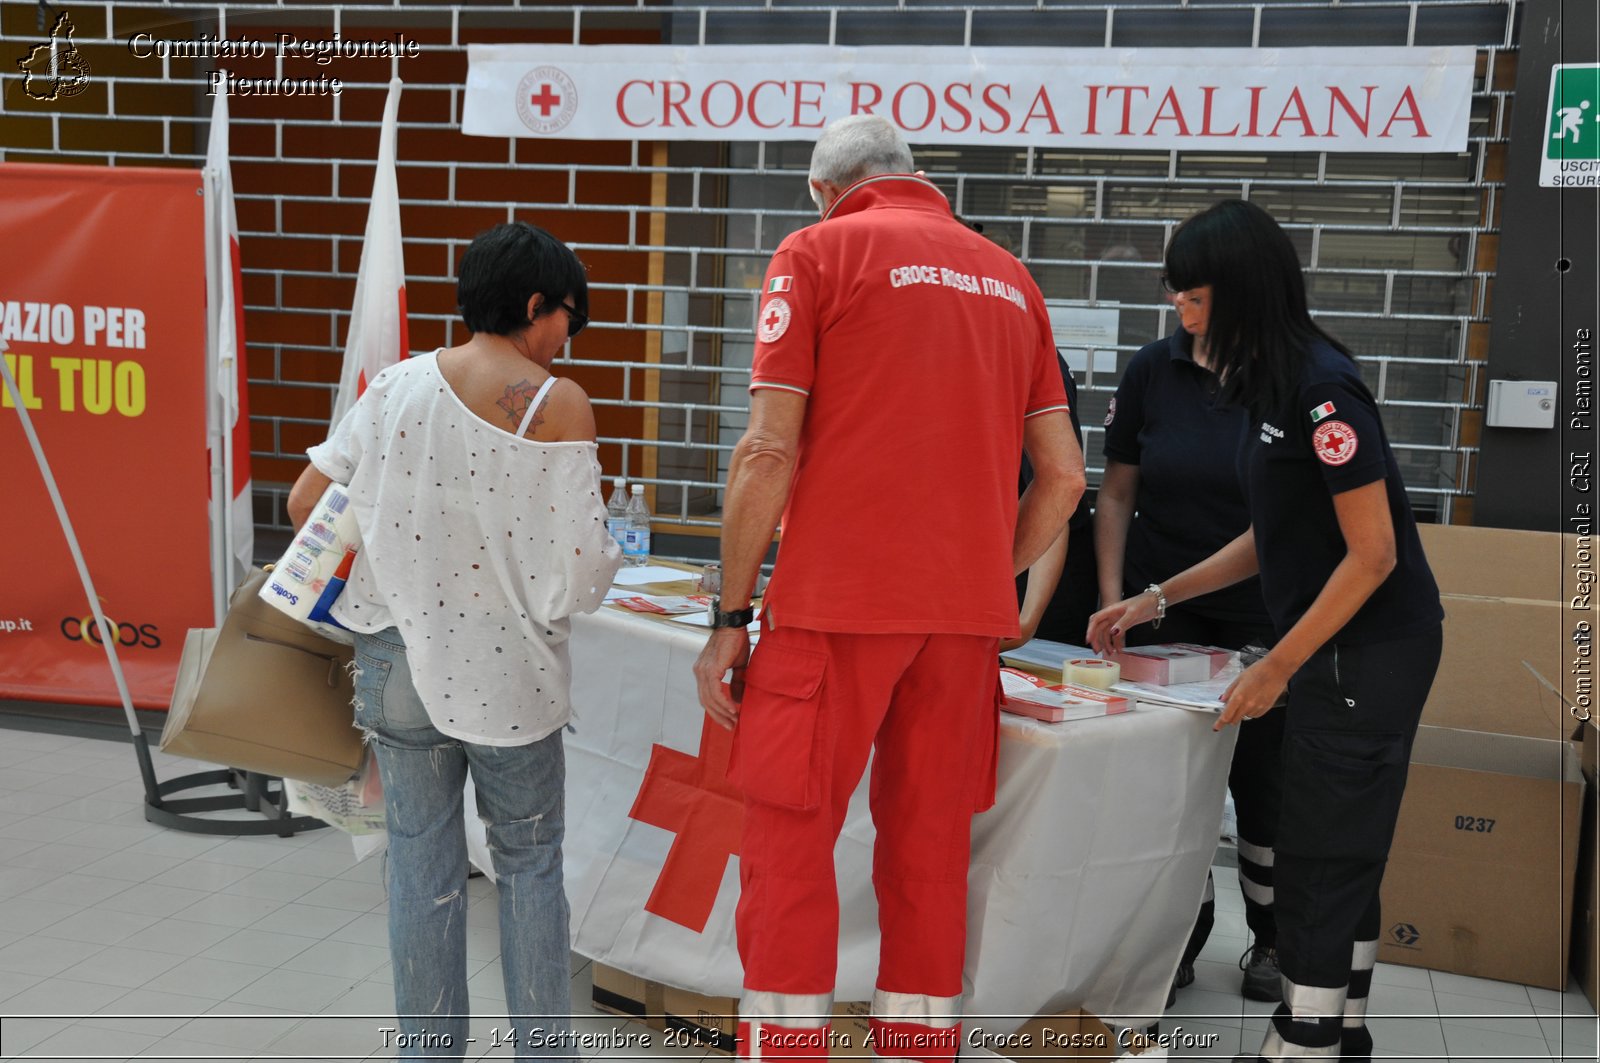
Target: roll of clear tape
{"points": [[1091, 672]]}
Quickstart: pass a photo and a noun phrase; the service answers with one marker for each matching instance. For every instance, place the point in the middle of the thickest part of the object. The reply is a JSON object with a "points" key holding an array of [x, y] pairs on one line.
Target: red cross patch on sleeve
{"points": [[774, 320], [1335, 443]]}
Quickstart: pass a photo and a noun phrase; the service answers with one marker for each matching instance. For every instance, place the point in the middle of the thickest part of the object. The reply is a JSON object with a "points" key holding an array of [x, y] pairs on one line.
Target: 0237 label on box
{"points": [[1475, 824]]}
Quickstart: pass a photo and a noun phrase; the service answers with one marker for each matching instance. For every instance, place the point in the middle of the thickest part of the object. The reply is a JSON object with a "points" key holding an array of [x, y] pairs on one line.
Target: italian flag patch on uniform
{"points": [[780, 284], [1325, 410]]}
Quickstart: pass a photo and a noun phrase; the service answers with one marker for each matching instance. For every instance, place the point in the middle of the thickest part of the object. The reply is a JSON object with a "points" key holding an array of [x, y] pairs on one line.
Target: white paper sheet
{"points": [[1204, 696], [632, 577]]}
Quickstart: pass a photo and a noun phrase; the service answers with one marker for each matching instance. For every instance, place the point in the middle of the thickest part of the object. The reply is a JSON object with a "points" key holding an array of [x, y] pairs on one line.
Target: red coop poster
{"points": [[102, 315]]}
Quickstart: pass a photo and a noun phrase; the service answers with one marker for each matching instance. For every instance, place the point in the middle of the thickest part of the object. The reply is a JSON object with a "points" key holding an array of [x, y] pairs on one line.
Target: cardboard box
{"points": [[1507, 599], [1480, 878], [712, 1022], [1586, 903]]}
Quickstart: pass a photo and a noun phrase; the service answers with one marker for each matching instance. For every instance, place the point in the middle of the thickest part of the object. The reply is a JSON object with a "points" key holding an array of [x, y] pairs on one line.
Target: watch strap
{"points": [[731, 618]]}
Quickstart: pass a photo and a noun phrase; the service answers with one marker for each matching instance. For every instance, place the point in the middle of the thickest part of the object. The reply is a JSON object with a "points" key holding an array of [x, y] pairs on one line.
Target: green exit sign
{"points": [[1572, 128]]}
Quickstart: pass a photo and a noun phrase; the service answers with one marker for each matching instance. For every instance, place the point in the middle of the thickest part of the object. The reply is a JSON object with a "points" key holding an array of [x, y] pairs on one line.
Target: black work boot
{"points": [[1355, 1045], [1261, 978]]}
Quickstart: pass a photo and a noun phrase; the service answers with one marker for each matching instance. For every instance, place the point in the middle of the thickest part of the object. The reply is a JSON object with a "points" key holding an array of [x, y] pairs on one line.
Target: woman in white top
{"points": [[475, 483]]}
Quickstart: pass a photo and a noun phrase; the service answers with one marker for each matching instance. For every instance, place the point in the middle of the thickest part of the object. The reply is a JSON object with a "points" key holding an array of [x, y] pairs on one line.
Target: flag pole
{"points": [[108, 634]]}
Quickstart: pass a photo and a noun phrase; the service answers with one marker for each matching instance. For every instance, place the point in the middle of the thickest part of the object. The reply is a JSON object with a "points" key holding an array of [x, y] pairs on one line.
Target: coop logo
{"points": [[84, 629], [55, 70], [1405, 935], [547, 99]]}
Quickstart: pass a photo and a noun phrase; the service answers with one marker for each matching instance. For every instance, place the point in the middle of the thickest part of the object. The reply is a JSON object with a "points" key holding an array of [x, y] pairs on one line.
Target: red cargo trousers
{"points": [[816, 704]]}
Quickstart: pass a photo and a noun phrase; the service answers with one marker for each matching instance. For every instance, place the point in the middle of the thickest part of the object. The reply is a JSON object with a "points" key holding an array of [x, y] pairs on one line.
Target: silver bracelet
{"points": [[1161, 604]]}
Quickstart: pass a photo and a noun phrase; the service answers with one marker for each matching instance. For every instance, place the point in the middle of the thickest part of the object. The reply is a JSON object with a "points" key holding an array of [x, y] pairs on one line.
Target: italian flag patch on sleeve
{"points": [[780, 284], [1325, 410]]}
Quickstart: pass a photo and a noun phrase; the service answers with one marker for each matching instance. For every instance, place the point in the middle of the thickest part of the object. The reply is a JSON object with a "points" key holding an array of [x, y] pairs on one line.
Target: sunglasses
{"points": [[576, 322]]}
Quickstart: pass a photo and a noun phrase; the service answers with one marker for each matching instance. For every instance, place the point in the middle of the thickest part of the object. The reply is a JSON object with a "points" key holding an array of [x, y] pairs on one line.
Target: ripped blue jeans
{"points": [[521, 796]]}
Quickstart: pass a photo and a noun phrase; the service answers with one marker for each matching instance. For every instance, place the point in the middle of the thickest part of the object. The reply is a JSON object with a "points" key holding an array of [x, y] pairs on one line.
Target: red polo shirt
{"points": [[922, 347]]}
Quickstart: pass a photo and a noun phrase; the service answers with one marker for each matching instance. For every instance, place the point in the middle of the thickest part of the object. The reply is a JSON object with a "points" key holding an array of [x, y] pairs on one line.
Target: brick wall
{"points": [[302, 174]]}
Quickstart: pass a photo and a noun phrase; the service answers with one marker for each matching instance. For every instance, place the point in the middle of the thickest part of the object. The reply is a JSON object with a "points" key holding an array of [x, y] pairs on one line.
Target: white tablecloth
{"points": [[1085, 879]]}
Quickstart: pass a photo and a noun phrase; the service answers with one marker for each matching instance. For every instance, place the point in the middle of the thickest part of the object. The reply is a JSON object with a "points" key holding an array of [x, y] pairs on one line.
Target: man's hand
{"points": [[728, 647]]}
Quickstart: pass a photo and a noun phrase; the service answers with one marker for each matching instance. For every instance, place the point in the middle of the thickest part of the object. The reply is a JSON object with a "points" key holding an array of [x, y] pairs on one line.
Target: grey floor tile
{"points": [[80, 1041], [1474, 1042]]}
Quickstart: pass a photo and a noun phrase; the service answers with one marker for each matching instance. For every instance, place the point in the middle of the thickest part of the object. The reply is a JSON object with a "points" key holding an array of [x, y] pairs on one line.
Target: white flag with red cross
{"points": [[230, 429], [377, 337]]}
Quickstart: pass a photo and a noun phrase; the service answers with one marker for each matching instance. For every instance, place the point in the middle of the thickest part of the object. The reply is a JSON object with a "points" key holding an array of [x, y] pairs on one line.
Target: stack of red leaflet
{"points": [[1170, 665], [1028, 695]]}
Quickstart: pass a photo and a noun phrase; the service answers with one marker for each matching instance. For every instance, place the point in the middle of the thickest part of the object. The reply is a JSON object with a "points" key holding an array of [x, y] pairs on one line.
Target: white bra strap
{"points": [[533, 407]]}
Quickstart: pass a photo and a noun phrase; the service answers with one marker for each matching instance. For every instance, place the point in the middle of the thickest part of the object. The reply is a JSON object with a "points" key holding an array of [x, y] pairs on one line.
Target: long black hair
{"points": [[1260, 329], [502, 269]]}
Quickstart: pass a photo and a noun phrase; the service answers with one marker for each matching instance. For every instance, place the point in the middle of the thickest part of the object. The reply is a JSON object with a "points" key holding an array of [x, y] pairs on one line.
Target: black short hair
{"points": [[503, 268], [1260, 326]]}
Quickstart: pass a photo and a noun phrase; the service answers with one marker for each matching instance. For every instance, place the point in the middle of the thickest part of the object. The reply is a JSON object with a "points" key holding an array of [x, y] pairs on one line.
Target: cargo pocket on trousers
{"points": [[774, 745], [1341, 794]]}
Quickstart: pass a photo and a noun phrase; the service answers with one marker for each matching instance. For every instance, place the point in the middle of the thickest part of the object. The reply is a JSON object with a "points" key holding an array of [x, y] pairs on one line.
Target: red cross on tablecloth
{"points": [[546, 100], [692, 797]]}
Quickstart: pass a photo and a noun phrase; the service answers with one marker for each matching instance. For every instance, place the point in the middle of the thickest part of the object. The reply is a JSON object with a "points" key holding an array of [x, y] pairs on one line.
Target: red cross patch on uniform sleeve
{"points": [[1335, 443], [774, 320]]}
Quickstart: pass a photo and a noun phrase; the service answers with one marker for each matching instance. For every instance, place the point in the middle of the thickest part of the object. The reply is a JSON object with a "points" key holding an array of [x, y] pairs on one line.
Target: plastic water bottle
{"points": [[636, 537], [617, 510]]}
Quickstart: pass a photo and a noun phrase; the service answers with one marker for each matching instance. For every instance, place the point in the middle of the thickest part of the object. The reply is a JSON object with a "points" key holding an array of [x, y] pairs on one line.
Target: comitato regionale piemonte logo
{"points": [[55, 70]]}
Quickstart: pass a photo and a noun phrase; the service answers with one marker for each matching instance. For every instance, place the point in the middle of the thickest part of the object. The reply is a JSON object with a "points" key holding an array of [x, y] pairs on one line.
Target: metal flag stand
{"points": [[255, 792]]}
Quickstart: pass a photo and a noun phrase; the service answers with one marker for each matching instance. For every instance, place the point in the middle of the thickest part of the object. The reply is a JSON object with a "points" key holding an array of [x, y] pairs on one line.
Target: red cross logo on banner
{"points": [[546, 99], [692, 797]]}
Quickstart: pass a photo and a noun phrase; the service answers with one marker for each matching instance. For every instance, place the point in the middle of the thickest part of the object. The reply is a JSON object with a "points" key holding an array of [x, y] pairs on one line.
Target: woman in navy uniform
{"points": [[1169, 499], [1352, 600]]}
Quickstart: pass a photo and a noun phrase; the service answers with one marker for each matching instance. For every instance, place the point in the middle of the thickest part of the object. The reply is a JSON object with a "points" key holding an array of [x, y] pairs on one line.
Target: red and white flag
{"points": [[377, 336], [226, 369]]}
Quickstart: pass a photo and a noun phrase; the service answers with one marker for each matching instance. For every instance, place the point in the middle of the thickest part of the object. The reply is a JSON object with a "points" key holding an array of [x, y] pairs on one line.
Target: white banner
{"points": [[1215, 99]]}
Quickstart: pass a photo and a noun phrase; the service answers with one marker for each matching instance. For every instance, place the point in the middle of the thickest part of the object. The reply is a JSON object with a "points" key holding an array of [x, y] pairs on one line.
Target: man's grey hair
{"points": [[857, 147]]}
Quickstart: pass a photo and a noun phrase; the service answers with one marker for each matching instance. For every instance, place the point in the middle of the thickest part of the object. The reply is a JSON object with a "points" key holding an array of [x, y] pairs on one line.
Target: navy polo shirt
{"points": [[1165, 418], [1328, 439]]}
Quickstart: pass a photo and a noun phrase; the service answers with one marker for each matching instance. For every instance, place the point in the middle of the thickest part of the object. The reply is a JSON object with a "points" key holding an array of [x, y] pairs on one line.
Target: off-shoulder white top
{"points": [[476, 544]]}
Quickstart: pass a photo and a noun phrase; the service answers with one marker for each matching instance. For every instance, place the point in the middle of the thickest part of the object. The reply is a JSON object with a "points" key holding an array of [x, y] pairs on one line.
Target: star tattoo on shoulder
{"points": [[515, 402]]}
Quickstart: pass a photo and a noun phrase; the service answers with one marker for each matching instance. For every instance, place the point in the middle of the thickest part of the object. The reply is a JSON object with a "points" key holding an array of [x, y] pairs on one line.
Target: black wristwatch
{"points": [[737, 618]]}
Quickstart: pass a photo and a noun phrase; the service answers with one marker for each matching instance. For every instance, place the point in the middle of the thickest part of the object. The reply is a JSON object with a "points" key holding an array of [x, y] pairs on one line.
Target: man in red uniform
{"points": [[902, 365]]}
